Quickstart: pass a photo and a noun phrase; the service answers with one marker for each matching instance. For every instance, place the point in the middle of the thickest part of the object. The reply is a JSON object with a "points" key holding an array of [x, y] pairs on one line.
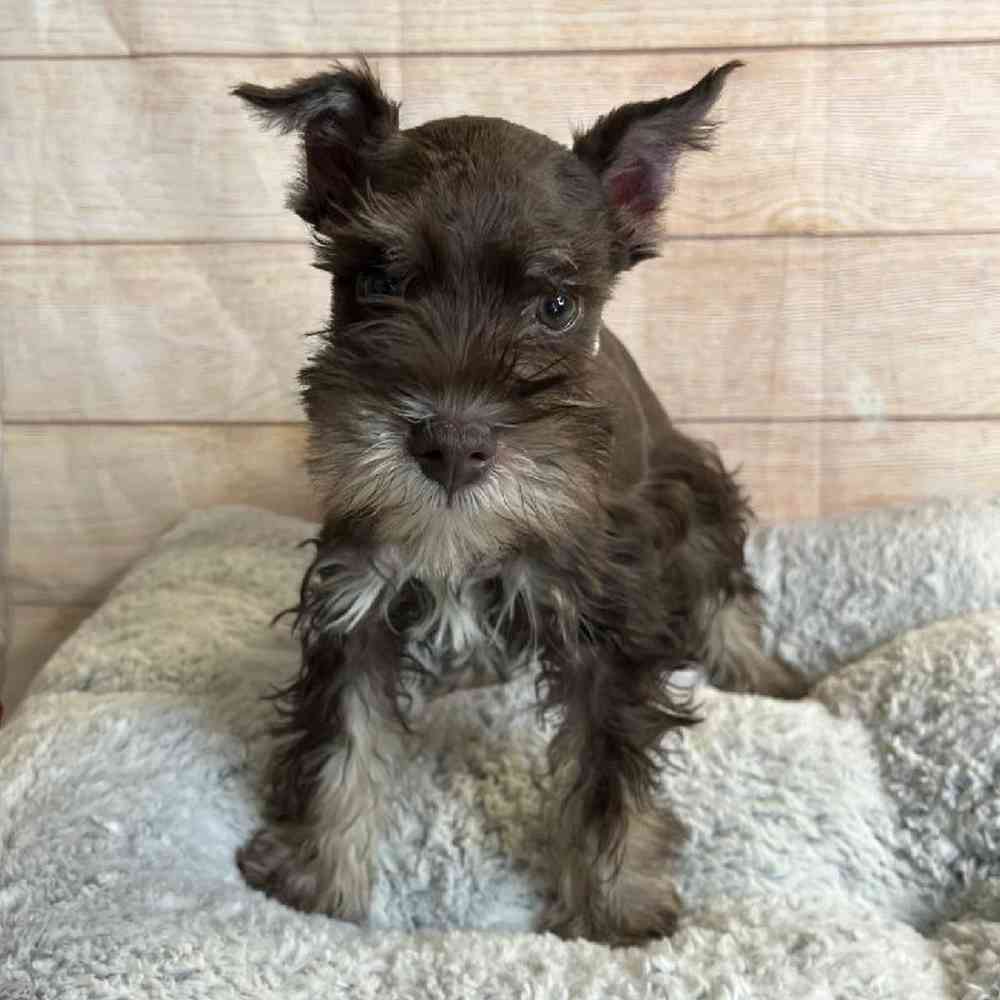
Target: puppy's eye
{"points": [[375, 284], [558, 312]]}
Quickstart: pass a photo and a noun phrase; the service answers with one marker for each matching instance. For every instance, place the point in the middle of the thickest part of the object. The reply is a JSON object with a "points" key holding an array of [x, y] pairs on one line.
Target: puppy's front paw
{"points": [[637, 923], [281, 869], [292, 868]]}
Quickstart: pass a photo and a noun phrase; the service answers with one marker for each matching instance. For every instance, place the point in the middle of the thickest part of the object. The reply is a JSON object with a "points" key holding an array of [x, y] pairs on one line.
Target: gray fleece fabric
{"points": [[844, 846]]}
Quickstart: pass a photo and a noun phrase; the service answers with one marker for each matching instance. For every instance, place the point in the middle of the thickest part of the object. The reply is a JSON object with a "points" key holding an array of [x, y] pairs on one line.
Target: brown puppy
{"points": [[501, 488]]}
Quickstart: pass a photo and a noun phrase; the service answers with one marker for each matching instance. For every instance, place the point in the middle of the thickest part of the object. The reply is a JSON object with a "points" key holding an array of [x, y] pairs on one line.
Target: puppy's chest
{"points": [[465, 635]]}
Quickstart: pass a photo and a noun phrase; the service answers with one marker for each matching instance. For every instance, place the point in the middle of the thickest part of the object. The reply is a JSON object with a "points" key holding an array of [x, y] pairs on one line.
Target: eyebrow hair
{"points": [[404, 241], [545, 262], [549, 259]]}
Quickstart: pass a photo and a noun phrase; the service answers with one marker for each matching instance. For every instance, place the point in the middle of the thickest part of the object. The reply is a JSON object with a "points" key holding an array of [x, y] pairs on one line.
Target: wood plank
{"points": [[127, 26], [157, 333], [88, 500], [778, 328], [818, 328], [796, 470], [875, 463], [910, 326], [824, 141], [37, 632]]}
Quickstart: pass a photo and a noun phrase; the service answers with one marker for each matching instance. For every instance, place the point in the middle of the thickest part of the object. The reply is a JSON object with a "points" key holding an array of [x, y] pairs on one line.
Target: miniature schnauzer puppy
{"points": [[500, 488]]}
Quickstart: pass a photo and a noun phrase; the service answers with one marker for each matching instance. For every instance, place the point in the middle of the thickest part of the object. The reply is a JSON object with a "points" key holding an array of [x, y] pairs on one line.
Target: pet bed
{"points": [[844, 846]]}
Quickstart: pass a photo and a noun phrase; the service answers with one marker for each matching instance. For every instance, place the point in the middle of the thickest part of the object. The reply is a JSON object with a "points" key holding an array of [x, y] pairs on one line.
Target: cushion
{"points": [[846, 845]]}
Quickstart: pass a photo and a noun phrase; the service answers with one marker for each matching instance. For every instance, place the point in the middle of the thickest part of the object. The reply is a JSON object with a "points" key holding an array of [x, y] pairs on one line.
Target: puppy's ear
{"points": [[343, 117], [634, 149]]}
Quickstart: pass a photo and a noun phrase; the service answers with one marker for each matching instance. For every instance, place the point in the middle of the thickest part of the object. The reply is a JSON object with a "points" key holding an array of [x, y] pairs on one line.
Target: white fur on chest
{"points": [[458, 633], [464, 640]]}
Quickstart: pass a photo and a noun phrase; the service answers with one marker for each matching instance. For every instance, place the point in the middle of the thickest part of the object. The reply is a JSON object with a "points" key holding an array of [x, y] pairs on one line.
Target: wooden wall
{"points": [[826, 308]]}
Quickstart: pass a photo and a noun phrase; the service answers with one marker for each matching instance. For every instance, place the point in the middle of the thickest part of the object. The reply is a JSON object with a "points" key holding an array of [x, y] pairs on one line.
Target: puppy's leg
{"points": [[612, 846], [329, 777], [734, 656]]}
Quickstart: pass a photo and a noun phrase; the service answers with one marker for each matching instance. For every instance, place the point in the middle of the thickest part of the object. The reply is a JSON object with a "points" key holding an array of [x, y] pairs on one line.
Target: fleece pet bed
{"points": [[844, 846]]}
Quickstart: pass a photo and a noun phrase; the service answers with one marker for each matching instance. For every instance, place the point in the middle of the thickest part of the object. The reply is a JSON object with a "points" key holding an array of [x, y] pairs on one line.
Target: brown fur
{"points": [[603, 543]]}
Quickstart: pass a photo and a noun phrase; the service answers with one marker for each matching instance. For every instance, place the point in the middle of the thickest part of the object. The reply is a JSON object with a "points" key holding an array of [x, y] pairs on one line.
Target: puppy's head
{"points": [[457, 403]]}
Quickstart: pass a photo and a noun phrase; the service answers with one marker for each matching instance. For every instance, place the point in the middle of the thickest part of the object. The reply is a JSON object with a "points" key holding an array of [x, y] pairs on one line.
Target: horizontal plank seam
{"points": [[524, 53], [864, 418], [858, 234]]}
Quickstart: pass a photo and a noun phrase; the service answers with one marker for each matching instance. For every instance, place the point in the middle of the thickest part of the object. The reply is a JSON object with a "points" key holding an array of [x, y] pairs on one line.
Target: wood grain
{"points": [[89, 500], [815, 141], [163, 333], [118, 27], [37, 633], [780, 328]]}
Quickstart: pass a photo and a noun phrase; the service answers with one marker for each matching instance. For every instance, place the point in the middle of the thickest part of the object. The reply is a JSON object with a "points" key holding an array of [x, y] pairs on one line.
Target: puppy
{"points": [[500, 488]]}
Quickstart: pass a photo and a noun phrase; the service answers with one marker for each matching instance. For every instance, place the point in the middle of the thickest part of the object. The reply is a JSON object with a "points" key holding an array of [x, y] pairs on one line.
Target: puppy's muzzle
{"points": [[452, 453]]}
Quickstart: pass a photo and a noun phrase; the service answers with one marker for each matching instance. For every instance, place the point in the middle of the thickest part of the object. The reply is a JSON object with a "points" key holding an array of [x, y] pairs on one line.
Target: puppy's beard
{"points": [[376, 478], [439, 538]]}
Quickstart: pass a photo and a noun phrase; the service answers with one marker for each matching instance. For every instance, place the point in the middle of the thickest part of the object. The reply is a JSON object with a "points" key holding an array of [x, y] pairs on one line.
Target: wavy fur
{"points": [[602, 546]]}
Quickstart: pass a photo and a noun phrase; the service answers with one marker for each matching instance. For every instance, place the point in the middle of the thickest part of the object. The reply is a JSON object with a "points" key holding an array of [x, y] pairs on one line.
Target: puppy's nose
{"points": [[453, 454]]}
